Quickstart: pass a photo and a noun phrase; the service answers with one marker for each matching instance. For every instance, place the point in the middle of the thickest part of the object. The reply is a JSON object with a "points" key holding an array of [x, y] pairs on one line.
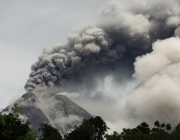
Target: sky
{"points": [[28, 27]]}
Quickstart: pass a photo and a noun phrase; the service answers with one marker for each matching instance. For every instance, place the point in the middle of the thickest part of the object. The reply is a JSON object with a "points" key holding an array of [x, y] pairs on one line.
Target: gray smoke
{"points": [[118, 37], [157, 97]]}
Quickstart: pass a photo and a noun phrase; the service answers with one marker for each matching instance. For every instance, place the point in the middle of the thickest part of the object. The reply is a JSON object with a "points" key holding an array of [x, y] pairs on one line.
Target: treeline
{"points": [[12, 127]]}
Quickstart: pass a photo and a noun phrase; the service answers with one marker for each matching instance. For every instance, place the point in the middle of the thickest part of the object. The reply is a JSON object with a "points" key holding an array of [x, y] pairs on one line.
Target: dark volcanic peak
{"points": [[56, 110]]}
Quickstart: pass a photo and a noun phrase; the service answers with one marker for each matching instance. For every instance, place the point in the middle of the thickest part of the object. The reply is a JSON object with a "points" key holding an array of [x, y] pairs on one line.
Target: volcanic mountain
{"points": [[54, 109]]}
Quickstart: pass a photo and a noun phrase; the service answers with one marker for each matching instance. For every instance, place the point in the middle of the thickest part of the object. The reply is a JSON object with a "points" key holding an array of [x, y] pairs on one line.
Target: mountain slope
{"points": [[54, 109]]}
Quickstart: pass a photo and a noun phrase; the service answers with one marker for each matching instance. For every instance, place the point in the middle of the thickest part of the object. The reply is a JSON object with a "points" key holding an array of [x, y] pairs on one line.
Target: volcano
{"points": [[54, 109]]}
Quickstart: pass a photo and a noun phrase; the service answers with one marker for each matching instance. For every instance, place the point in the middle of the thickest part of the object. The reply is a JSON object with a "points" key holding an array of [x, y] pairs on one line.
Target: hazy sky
{"points": [[26, 27]]}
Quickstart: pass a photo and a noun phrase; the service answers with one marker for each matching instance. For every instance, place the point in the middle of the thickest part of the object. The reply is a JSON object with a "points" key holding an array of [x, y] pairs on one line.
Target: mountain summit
{"points": [[54, 109]]}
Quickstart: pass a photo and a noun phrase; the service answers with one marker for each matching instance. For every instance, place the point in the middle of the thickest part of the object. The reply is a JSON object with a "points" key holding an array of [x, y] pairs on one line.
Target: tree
{"points": [[90, 129], [176, 132], [143, 132], [157, 124], [49, 133], [144, 128], [12, 127], [168, 127], [114, 136]]}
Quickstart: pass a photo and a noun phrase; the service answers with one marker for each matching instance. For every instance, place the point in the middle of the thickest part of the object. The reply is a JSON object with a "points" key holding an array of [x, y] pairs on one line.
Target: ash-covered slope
{"points": [[54, 109]]}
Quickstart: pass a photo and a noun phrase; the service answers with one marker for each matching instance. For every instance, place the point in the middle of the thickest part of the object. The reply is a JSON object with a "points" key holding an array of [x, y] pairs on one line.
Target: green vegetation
{"points": [[12, 127], [49, 133], [160, 131], [91, 129]]}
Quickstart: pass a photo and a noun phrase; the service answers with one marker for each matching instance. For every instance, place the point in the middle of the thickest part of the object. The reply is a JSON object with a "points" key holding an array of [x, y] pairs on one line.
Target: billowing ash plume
{"points": [[157, 97], [119, 33]]}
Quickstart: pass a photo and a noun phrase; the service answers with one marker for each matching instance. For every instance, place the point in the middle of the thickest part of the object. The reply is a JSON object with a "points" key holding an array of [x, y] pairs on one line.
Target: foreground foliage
{"points": [[91, 129], [49, 133], [12, 127], [160, 131]]}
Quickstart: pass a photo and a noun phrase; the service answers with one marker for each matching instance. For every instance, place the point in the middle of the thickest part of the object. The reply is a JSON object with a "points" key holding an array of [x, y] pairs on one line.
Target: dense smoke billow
{"points": [[160, 90], [127, 32], [96, 64]]}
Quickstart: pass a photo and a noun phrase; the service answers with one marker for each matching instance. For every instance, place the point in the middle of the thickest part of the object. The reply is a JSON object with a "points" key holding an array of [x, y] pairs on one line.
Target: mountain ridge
{"points": [[54, 109]]}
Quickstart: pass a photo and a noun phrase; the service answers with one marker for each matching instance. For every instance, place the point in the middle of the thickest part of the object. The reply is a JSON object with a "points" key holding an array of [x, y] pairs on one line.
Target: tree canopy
{"points": [[12, 127], [49, 133], [90, 129]]}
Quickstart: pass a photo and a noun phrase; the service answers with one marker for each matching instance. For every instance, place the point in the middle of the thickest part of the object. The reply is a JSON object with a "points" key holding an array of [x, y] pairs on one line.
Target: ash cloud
{"points": [[157, 97], [120, 32], [97, 61]]}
